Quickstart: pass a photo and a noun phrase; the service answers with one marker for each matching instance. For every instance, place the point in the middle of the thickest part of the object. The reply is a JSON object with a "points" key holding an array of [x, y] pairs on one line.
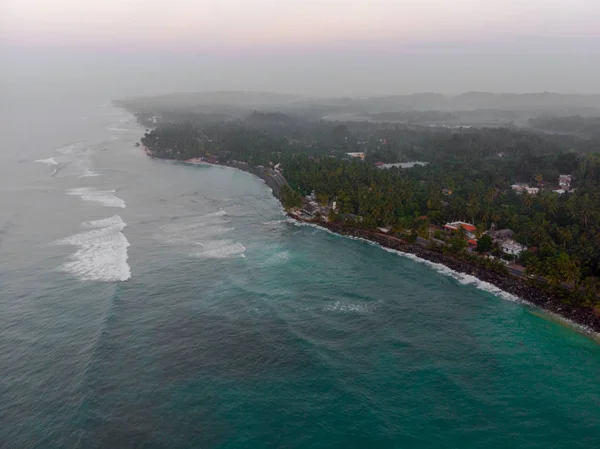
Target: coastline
{"points": [[263, 174], [519, 289], [584, 318]]}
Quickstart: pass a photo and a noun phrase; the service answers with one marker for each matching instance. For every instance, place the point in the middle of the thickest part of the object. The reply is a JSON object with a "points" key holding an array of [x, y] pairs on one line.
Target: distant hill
{"points": [[221, 98], [495, 107]]}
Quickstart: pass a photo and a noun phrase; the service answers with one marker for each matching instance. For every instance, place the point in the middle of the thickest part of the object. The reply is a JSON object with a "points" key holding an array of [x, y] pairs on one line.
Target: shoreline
{"points": [[583, 318], [262, 174]]}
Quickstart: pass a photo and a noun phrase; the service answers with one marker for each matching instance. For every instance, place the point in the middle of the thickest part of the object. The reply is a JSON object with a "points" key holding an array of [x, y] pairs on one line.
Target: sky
{"points": [[318, 47]]}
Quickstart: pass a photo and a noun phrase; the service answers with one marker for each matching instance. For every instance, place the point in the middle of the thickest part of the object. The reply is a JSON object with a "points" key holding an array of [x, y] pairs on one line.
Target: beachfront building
{"points": [[467, 227], [501, 235], [511, 247], [456, 225], [311, 208]]}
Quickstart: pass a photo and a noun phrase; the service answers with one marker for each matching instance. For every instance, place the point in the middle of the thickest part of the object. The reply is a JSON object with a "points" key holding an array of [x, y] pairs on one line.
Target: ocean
{"points": [[153, 304]]}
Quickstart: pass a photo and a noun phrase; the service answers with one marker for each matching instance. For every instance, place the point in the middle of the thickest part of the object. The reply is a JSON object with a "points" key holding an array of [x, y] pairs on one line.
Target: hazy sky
{"points": [[301, 46]]}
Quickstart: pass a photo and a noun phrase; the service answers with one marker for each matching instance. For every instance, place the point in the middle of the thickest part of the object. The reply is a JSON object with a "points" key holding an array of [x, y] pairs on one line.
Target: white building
{"points": [[519, 188], [565, 181], [532, 190], [357, 155], [513, 248]]}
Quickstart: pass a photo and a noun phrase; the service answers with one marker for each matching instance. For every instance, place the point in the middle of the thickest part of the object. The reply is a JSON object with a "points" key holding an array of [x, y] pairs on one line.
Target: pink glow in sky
{"points": [[283, 22]]}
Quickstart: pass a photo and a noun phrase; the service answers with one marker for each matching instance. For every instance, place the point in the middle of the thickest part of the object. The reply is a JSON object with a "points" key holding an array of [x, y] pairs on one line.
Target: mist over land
{"points": [[568, 113]]}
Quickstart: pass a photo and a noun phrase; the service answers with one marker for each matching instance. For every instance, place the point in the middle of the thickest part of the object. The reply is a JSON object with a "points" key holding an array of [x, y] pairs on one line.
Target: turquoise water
{"points": [[160, 305]]}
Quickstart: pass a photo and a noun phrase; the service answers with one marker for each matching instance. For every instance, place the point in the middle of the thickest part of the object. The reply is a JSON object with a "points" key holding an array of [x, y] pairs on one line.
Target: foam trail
{"points": [[104, 197], [219, 213], [68, 149], [49, 161], [344, 306], [88, 174], [102, 252], [221, 249], [278, 258]]}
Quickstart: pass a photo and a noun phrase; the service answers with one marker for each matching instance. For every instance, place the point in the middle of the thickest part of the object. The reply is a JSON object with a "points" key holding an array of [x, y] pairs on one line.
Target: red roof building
{"points": [[456, 225]]}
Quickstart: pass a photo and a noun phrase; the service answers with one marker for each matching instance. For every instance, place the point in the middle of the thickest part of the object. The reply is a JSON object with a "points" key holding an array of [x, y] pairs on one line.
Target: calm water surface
{"points": [[150, 304]]}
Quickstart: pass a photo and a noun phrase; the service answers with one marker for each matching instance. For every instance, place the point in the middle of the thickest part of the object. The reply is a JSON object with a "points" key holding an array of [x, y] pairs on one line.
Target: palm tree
{"points": [[568, 269], [528, 200], [539, 178], [550, 203]]}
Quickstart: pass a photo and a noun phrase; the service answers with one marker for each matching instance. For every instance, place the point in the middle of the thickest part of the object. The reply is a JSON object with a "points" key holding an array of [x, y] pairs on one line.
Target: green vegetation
{"points": [[468, 178], [484, 244], [588, 127]]}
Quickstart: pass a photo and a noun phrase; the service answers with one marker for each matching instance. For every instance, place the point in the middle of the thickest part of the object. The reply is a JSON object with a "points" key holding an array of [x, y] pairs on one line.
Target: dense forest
{"points": [[469, 176], [587, 127]]}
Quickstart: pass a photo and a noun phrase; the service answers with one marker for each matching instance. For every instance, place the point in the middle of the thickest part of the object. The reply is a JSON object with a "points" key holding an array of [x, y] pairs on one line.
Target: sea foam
{"points": [[101, 252], [221, 249], [87, 173], [49, 161], [207, 234], [105, 197]]}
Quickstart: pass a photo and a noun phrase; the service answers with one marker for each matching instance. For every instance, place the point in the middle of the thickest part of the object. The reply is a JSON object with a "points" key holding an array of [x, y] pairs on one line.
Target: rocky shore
{"points": [[583, 316]]}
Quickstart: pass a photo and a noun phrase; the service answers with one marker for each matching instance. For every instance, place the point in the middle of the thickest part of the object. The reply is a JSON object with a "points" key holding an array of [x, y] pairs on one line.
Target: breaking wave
{"points": [[105, 197], [219, 213], [87, 173], [102, 252], [205, 232], [345, 306], [49, 161], [221, 249]]}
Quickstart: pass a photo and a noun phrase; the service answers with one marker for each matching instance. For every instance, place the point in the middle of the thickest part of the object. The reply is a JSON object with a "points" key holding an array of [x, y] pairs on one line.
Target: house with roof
{"points": [[564, 181], [456, 225], [519, 188], [511, 247], [500, 235], [468, 228], [311, 208]]}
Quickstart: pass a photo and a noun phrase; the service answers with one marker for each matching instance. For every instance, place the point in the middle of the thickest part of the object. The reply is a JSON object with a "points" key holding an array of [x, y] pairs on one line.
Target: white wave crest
{"points": [[87, 173], [278, 258], [68, 149], [219, 213], [221, 249], [105, 197], [49, 161], [344, 306], [102, 252], [275, 222]]}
